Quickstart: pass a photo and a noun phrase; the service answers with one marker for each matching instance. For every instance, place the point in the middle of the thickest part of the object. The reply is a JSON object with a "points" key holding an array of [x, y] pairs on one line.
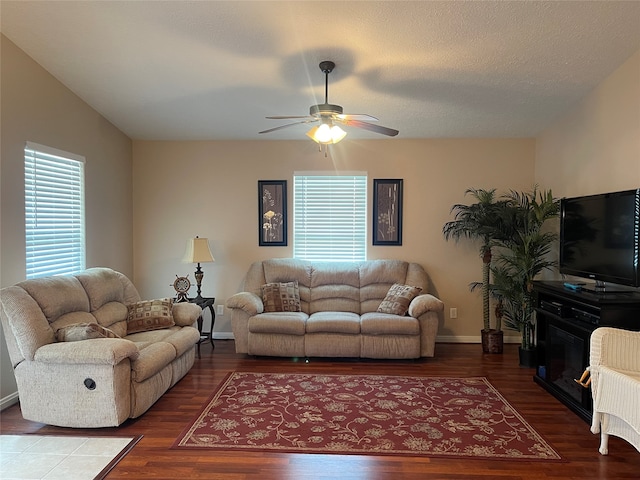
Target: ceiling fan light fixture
{"points": [[337, 134], [326, 134]]}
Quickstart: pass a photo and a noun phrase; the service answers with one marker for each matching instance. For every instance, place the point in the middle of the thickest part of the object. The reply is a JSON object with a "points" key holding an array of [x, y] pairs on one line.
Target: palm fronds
{"points": [[523, 255]]}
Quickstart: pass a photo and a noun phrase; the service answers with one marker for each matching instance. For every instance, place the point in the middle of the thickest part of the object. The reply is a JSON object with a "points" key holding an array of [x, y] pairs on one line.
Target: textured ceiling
{"points": [[181, 70]]}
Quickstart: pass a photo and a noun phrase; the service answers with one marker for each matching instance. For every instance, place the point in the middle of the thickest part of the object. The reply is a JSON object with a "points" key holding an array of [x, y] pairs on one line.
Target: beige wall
{"points": [[183, 189], [36, 107], [595, 148]]}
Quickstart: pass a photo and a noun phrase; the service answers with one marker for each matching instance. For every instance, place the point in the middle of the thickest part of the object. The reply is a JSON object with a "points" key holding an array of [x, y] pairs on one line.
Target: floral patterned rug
{"points": [[363, 414]]}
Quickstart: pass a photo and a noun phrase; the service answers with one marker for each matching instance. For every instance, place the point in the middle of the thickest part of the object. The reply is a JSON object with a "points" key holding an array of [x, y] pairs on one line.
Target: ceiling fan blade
{"points": [[370, 126], [284, 117], [288, 125], [357, 116]]}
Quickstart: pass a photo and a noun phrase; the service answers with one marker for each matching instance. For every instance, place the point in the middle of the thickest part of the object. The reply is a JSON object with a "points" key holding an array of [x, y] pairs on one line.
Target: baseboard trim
{"points": [[223, 336], [439, 338], [9, 400], [473, 339]]}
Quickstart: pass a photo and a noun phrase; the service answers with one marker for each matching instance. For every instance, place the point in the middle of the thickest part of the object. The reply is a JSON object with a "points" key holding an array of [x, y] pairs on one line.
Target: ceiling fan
{"points": [[328, 116]]}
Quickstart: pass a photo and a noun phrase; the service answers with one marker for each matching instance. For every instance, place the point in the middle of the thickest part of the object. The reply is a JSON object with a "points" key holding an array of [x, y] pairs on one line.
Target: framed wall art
{"points": [[272, 213], [387, 212]]}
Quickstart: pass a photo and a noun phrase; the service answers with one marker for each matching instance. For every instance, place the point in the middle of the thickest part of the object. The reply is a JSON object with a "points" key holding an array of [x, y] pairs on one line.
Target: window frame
{"points": [[55, 224], [307, 242]]}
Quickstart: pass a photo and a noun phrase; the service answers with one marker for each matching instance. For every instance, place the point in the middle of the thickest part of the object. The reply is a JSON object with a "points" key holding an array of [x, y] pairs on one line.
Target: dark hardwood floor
{"points": [[152, 457]]}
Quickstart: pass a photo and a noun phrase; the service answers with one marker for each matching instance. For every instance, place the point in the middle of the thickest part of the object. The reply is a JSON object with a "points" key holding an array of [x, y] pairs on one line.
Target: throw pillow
{"points": [[83, 331], [150, 315], [281, 297], [398, 299]]}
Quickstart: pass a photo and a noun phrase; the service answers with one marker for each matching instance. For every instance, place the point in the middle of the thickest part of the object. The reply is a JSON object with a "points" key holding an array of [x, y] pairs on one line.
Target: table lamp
{"points": [[198, 251]]}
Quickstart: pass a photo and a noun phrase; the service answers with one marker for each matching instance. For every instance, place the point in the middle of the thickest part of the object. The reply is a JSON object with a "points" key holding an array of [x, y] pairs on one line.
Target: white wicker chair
{"points": [[615, 385]]}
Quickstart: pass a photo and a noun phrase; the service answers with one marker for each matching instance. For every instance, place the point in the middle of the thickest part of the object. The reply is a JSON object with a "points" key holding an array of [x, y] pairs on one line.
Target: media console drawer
{"points": [[584, 316]]}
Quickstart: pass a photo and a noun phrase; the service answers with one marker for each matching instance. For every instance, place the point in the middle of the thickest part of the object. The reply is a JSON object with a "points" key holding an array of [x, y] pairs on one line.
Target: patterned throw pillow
{"points": [[398, 299], [281, 297], [150, 315], [83, 331]]}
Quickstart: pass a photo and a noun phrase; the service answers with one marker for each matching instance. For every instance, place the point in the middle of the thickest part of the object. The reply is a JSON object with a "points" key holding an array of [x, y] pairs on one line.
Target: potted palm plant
{"points": [[522, 254], [481, 221]]}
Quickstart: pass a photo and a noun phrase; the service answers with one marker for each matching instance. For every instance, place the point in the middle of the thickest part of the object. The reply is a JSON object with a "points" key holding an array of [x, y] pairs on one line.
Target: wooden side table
{"points": [[205, 302]]}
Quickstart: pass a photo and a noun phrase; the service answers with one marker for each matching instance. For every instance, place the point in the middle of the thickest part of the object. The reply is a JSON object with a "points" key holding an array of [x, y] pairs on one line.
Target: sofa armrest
{"points": [[423, 304], [615, 348], [185, 314], [246, 301], [105, 351]]}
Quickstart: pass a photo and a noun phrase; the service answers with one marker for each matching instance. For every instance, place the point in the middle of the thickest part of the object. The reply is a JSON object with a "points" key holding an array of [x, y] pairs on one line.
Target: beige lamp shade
{"points": [[198, 251]]}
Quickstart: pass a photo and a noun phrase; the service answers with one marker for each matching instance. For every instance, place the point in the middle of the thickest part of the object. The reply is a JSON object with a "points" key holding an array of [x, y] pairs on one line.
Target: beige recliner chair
{"points": [[87, 352], [615, 385]]}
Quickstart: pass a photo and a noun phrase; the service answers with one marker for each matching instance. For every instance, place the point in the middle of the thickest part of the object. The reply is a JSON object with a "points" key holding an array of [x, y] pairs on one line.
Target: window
{"points": [[54, 211], [329, 216]]}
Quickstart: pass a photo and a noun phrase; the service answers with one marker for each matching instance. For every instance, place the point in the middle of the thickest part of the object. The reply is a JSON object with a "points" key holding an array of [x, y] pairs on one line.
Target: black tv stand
{"points": [[605, 291], [565, 320], [602, 288]]}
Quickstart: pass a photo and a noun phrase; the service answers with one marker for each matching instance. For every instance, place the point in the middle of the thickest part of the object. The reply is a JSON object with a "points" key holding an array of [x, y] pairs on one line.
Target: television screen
{"points": [[599, 237]]}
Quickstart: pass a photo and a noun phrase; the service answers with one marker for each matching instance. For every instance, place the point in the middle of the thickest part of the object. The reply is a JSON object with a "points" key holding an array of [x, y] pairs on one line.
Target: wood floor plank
{"points": [[153, 458]]}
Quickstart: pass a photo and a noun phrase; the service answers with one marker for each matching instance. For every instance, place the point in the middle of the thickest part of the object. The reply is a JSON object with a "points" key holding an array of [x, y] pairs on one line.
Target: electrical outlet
{"points": [[220, 310], [453, 313]]}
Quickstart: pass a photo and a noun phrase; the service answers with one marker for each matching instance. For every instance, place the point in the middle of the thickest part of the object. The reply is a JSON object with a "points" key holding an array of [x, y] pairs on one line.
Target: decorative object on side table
{"points": [[272, 213], [181, 286], [387, 212], [198, 251]]}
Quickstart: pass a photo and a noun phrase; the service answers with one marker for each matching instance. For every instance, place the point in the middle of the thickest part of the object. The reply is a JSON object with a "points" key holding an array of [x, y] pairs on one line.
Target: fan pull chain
{"points": [[326, 148]]}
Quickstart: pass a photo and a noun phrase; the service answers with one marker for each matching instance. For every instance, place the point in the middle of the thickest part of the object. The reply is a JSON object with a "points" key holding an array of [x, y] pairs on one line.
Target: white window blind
{"points": [[329, 217], [54, 211]]}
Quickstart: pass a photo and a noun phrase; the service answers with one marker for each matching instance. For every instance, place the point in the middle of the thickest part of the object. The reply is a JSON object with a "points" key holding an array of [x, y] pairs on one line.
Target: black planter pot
{"points": [[527, 357]]}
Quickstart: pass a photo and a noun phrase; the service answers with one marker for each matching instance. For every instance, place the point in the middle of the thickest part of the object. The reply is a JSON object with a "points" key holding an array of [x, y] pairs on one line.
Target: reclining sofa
{"points": [[370, 309], [87, 352]]}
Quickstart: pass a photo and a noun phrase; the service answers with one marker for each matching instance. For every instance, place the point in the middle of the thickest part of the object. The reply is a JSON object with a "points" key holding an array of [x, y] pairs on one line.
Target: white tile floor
{"points": [[56, 457]]}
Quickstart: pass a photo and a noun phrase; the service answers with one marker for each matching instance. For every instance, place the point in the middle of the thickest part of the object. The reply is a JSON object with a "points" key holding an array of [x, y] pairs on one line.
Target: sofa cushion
{"points": [[282, 270], [286, 323], [151, 336], [102, 285], [113, 315], [375, 323], [334, 322], [182, 338], [281, 297], [57, 295], [335, 286], [374, 272], [150, 315], [83, 331], [398, 299], [376, 276], [153, 358]]}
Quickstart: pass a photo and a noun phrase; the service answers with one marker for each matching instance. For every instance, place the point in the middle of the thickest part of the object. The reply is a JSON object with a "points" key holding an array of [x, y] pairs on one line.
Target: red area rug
{"points": [[363, 414]]}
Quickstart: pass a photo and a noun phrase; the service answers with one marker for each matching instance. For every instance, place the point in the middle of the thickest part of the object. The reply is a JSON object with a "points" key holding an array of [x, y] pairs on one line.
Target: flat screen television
{"points": [[599, 238]]}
